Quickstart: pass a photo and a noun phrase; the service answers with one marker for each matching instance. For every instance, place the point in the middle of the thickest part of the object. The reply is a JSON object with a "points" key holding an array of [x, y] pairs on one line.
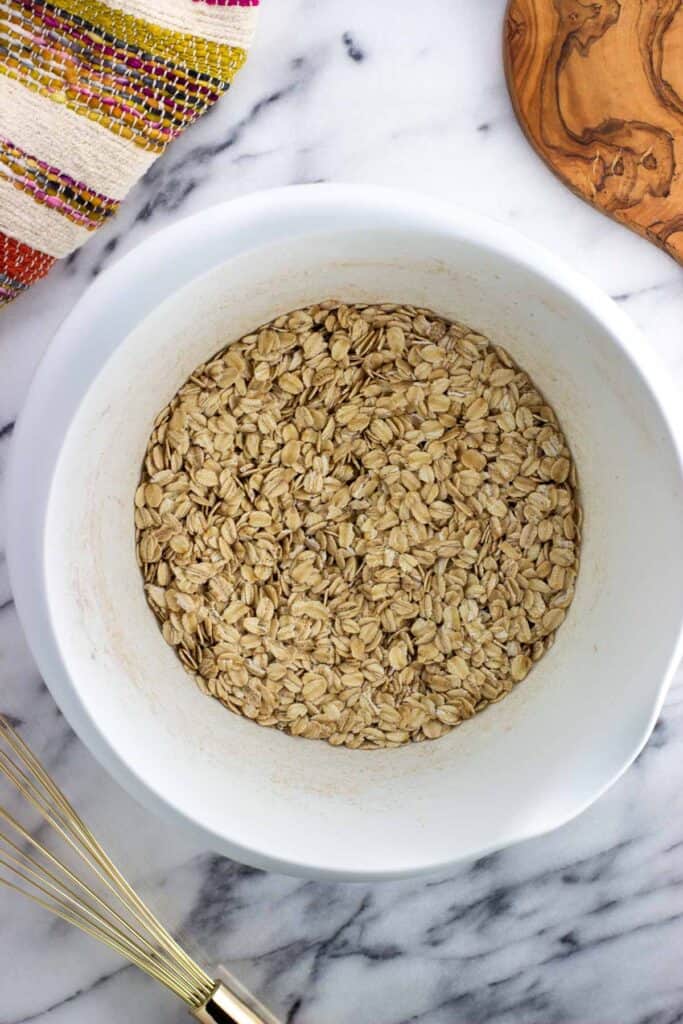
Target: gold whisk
{"points": [[106, 907]]}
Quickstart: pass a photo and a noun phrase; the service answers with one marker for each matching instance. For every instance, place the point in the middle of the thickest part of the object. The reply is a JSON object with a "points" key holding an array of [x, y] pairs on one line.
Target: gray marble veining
{"points": [[580, 926]]}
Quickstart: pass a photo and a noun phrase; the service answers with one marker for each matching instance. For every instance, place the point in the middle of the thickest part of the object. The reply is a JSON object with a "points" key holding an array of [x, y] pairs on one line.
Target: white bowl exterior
{"points": [[525, 765]]}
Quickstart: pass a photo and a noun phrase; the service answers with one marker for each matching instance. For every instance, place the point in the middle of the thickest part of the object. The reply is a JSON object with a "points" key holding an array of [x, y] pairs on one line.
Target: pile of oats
{"points": [[359, 524]]}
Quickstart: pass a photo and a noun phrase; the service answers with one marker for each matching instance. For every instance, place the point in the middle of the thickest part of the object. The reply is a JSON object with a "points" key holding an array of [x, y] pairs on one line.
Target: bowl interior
{"points": [[522, 766]]}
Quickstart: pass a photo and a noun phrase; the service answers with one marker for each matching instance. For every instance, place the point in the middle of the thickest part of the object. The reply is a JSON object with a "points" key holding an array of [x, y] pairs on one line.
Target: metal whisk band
{"points": [[224, 1007]]}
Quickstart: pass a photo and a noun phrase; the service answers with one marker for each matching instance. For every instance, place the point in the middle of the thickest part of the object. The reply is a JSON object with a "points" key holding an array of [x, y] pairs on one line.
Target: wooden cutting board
{"points": [[598, 89]]}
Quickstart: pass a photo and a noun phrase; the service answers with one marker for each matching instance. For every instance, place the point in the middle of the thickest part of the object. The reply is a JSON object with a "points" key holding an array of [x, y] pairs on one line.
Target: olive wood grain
{"points": [[598, 89]]}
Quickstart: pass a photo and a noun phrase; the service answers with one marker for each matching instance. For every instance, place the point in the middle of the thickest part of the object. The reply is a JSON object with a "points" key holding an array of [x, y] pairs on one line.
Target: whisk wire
{"points": [[68, 901], [146, 943], [184, 993], [71, 829], [146, 948], [70, 907]]}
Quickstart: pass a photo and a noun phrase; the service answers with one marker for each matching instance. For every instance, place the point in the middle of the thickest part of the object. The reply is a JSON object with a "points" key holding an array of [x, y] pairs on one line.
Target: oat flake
{"points": [[359, 524]]}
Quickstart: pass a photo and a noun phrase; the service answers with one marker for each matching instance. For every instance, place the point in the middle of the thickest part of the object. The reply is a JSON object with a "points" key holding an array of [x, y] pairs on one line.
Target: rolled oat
{"points": [[359, 524]]}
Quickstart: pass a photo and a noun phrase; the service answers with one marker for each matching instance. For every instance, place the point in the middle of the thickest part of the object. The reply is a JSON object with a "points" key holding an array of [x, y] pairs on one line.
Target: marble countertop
{"points": [[580, 926]]}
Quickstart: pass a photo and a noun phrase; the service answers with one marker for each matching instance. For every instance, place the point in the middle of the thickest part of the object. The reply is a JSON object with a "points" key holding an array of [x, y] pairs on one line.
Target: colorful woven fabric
{"points": [[91, 92]]}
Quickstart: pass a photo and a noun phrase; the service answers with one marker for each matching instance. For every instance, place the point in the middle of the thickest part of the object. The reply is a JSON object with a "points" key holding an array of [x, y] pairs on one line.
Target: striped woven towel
{"points": [[91, 92]]}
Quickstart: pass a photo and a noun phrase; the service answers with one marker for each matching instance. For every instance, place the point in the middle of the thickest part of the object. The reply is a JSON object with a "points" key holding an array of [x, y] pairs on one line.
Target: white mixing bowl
{"points": [[522, 767]]}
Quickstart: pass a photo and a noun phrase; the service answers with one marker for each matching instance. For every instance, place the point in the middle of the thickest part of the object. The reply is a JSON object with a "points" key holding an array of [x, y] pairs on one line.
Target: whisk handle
{"points": [[224, 1007]]}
